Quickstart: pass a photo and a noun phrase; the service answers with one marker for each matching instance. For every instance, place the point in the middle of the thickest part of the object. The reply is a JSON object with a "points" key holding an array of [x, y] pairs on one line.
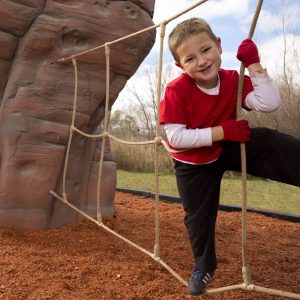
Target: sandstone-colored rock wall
{"points": [[37, 98]]}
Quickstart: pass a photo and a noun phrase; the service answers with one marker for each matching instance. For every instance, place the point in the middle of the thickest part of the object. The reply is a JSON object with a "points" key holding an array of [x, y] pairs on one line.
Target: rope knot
{"points": [[105, 134], [158, 140], [107, 48]]}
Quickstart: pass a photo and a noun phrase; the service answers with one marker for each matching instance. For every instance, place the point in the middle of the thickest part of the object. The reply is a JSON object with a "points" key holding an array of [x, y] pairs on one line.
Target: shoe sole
{"points": [[203, 291]]}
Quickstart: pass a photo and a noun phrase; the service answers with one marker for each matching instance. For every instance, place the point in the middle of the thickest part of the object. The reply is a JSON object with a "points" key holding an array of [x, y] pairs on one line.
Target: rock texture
{"points": [[37, 99]]}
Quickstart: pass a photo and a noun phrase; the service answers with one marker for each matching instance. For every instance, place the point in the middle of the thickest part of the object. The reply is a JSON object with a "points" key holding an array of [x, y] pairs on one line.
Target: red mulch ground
{"points": [[83, 261]]}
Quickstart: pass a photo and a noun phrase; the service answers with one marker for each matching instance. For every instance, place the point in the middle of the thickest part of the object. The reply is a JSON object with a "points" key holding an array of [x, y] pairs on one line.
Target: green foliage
{"points": [[264, 194], [122, 123], [139, 124]]}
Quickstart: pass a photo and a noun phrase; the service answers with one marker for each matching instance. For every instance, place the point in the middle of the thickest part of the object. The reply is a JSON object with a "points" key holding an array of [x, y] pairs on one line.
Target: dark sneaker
{"points": [[198, 282]]}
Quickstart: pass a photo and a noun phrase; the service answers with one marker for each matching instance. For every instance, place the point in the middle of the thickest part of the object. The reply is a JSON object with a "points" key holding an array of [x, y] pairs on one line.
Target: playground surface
{"points": [[84, 261]]}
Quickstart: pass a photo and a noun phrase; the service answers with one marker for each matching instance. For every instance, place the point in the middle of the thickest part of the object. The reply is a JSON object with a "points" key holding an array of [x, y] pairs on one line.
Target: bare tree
{"points": [[123, 124], [143, 98], [287, 118]]}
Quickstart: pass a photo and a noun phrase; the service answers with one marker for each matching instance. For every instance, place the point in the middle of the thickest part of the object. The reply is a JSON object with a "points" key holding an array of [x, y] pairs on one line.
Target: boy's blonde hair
{"points": [[184, 30]]}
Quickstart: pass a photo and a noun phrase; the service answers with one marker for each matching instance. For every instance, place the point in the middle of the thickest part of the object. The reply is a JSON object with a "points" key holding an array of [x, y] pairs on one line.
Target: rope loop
{"points": [[105, 134], [107, 49], [158, 140], [163, 28]]}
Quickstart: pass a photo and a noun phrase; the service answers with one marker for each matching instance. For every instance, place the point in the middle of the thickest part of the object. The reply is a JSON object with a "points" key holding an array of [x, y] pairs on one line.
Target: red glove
{"points": [[236, 131], [247, 53]]}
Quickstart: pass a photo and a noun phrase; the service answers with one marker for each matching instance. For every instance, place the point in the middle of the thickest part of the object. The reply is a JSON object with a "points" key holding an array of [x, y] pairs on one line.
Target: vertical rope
{"points": [[156, 145], [100, 170], [64, 194], [158, 140], [245, 268]]}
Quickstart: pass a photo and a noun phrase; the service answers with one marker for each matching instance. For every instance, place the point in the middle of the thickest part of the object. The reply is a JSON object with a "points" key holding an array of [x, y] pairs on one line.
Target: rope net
{"points": [[158, 141]]}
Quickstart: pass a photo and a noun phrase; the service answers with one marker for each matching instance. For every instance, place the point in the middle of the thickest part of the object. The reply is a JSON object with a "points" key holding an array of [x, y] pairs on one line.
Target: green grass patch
{"points": [[264, 194]]}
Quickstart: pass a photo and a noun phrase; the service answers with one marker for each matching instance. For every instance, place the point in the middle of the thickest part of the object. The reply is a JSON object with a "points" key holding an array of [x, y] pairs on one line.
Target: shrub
{"points": [[140, 158]]}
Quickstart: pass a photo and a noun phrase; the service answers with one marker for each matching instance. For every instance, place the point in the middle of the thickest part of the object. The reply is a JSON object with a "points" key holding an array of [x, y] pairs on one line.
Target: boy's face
{"points": [[200, 58]]}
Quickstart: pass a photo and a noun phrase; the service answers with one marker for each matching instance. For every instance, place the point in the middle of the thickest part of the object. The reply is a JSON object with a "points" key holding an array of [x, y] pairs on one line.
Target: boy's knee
{"points": [[264, 139], [263, 133]]}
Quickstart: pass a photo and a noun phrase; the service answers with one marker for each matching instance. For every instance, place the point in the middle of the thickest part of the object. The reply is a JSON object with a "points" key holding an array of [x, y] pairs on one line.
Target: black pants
{"points": [[270, 154]]}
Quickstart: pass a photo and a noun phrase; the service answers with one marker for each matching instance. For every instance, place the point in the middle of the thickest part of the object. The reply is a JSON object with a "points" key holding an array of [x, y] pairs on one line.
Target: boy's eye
{"points": [[189, 59], [206, 49]]}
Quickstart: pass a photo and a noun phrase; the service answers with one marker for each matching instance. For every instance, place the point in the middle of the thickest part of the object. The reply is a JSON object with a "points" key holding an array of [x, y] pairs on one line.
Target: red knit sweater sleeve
{"points": [[173, 107]]}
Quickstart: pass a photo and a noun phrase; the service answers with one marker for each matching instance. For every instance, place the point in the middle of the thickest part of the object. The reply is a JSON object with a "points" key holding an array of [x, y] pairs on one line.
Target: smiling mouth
{"points": [[204, 70]]}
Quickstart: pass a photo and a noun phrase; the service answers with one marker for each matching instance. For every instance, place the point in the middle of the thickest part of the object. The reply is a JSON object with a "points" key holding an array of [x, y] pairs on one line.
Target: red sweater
{"points": [[184, 103]]}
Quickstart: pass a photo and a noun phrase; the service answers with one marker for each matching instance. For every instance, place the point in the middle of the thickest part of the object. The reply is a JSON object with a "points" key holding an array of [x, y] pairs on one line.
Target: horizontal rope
{"points": [[100, 224], [157, 140], [133, 34], [242, 286]]}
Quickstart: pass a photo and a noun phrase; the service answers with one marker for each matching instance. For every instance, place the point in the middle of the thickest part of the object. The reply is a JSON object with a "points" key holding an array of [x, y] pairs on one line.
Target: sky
{"points": [[230, 20]]}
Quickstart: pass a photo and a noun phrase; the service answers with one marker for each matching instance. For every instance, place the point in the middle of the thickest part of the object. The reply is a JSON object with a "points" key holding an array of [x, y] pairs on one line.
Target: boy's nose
{"points": [[201, 61]]}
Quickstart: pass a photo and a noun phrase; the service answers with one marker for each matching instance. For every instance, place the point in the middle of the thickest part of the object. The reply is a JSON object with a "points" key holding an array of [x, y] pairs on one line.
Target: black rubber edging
{"points": [[229, 208]]}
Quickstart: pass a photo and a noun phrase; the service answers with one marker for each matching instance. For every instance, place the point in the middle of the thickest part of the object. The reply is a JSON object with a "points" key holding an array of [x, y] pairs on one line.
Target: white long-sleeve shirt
{"points": [[265, 98]]}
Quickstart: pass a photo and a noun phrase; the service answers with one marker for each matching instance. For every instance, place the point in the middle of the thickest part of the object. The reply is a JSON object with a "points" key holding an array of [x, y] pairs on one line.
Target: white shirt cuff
{"points": [[181, 137]]}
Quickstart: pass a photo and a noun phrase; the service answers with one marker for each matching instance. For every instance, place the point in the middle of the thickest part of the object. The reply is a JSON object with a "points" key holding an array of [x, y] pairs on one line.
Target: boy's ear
{"points": [[177, 64], [219, 45]]}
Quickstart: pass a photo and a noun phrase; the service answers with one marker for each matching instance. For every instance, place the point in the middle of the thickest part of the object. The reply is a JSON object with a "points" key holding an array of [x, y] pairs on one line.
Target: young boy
{"points": [[199, 113]]}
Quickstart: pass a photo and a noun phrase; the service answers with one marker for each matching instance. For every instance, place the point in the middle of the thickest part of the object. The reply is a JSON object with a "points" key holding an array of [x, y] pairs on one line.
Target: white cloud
{"points": [[273, 52], [231, 20], [212, 10], [269, 22], [166, 9], [140, 83], [229, 60], [278, 13]]}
